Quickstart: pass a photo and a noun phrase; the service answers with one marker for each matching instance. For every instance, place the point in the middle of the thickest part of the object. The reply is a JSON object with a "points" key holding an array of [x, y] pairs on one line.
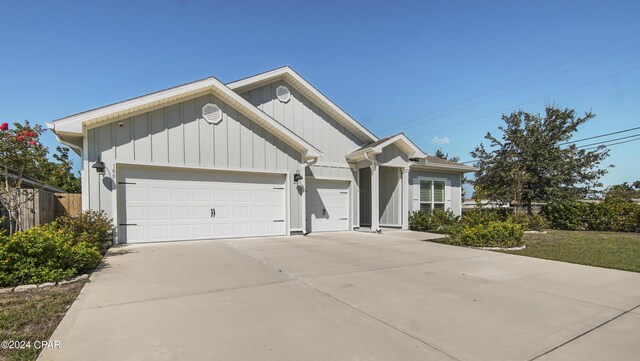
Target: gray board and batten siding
{"points": [[176, 135]]}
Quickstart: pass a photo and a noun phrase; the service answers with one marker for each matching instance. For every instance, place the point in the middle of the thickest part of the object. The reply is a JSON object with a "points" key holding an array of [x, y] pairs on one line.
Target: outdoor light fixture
{"points": [[99, 166], [297, 177]]}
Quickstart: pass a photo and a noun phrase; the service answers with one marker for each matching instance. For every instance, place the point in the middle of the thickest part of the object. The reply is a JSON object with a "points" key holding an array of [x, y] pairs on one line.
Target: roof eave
{"points": [[452, 167]]}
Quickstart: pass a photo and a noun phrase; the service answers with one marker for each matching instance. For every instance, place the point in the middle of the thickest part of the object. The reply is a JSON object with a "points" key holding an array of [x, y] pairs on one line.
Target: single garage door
{"points": [[168, 204], [327, 205]]}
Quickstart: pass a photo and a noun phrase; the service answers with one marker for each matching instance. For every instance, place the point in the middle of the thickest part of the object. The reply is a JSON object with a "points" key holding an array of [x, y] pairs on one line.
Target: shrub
{"points": [[484, 216], [44, 254], [529, 222], [566, 215], [494, 234], [90, 227], [611, 215], [436, 221]]}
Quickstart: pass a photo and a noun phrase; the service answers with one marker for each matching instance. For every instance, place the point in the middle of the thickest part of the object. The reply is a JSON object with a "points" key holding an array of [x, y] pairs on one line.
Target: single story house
{"points": [[262, 156]]}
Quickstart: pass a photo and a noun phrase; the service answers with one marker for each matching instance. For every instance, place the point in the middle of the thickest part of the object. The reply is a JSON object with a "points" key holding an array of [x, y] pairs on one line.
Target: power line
{"points": [[593, 145], [609, 140], [531, 74], [599, 136], [500, 94], [530, 101], [608, 145]]}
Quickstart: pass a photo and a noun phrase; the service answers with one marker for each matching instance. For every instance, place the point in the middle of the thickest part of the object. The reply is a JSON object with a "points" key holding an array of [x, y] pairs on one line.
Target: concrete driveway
{"points": [[347, 296]]}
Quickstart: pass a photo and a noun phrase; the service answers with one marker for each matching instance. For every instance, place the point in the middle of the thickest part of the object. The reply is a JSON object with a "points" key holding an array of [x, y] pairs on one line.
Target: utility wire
{"points": [[405, 126], [538, 71], [609, 140], [608, 145], [599, 136], [592, 145], [530, 101]]}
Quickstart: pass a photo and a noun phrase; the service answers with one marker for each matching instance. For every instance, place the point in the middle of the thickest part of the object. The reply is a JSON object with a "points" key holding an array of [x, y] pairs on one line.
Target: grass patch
{"points": [[615, 250], [33, 315]]}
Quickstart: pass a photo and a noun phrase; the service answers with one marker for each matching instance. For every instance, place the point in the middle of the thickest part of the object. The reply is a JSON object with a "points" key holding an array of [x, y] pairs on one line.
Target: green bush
{"points": [[91, 227], [529, 222], [44, 254], [494, 234], [484, 216], [566, 215], [438, 221], [610, 215]]}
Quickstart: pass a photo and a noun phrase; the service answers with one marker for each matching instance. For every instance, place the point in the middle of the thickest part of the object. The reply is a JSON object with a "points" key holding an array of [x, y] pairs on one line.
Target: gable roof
{"points": [[308, 90], [401, 140], [73, 125]]}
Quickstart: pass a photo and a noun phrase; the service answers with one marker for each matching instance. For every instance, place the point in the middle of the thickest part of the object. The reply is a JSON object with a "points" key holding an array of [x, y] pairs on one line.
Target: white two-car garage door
{"points": [[170, 204], [327, 205]]}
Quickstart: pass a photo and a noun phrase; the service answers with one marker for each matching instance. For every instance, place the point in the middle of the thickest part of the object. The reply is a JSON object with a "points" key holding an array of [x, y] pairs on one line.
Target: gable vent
{"points": [[283, 93], [212, 113]]}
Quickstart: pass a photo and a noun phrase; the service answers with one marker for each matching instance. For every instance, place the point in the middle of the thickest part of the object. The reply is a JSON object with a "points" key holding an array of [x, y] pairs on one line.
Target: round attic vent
{"points": [[212, 113], [283, 93]]}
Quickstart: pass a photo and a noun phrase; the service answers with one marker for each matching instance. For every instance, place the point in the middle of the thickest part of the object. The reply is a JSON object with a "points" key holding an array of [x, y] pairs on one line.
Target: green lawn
{"points": [[33, 315], [601, 249]]}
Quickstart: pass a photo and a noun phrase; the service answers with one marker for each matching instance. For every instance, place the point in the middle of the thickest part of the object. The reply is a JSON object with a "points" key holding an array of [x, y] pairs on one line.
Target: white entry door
{"points": [[327, 205], [170, 204]]}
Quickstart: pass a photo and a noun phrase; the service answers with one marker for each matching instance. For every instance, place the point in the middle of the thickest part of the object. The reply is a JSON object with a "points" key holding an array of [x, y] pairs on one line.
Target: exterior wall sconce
{"points": [[297, 177], [99, 166]]}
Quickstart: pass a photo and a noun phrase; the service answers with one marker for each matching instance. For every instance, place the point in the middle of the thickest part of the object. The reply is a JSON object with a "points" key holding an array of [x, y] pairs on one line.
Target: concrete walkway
{"points": [[347, 296]]}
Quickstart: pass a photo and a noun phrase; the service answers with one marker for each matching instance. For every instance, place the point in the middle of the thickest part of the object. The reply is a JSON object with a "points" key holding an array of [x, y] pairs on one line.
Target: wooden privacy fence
{"points": [[45, 207]]}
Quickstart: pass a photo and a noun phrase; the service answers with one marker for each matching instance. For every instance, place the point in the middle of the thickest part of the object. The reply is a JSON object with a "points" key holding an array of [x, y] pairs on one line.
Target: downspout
{"points": [[374, 165]]}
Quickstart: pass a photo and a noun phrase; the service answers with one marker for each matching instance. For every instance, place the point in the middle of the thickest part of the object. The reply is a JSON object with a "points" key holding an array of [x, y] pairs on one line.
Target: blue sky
{"points": [[444, 69]]}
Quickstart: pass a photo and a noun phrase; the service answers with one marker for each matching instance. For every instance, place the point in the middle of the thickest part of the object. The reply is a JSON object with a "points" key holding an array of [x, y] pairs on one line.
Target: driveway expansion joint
{"points": [[584, 333], [186, 295], [335, 298]]}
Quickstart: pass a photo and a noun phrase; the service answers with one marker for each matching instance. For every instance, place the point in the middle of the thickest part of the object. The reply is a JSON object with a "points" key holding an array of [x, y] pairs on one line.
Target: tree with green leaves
{"points": [[60, 173], [624, 191], [534, 161], [463, 180]]}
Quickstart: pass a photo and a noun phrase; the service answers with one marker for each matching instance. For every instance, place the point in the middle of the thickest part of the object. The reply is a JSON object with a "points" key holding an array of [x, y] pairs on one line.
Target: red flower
{"points": [[32, 134], [20, 138], [4, 126], [33, 142]]}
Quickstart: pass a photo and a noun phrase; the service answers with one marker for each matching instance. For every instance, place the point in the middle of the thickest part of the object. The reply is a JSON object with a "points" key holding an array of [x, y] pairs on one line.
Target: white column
{"points": [[303, 200], [405, 198], [375, 197]]}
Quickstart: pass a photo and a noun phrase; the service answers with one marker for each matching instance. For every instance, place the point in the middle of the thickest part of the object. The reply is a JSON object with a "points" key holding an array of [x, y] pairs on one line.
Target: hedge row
{"points": [[614, 216]]}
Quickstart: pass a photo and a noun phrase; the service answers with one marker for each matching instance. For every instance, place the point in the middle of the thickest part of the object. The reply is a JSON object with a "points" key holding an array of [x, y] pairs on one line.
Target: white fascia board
{"points": [[308, 90], [408, 147], [73, 124], [445, 167]]}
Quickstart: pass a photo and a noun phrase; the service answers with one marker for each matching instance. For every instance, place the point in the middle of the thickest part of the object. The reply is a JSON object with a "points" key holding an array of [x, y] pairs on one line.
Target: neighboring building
{"points": [[262, 156]]}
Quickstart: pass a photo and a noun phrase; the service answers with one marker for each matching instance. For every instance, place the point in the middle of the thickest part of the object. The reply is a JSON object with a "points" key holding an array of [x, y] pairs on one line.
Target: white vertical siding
{"points": [[390, 194], [308, 121], [176, 135]]}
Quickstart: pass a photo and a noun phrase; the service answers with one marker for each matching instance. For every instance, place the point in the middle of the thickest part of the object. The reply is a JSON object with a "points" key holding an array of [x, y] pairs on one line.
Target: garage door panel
{"points": [[327, 205], [167, 204]]}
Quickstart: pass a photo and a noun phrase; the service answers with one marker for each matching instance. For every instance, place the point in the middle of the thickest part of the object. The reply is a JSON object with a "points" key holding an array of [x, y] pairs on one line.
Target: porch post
{"points": [[405, 198], [375, 197]]}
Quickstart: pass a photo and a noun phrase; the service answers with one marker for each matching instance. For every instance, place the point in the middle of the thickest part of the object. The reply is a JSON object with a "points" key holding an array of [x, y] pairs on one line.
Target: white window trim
{"points": [[447, 192]]}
